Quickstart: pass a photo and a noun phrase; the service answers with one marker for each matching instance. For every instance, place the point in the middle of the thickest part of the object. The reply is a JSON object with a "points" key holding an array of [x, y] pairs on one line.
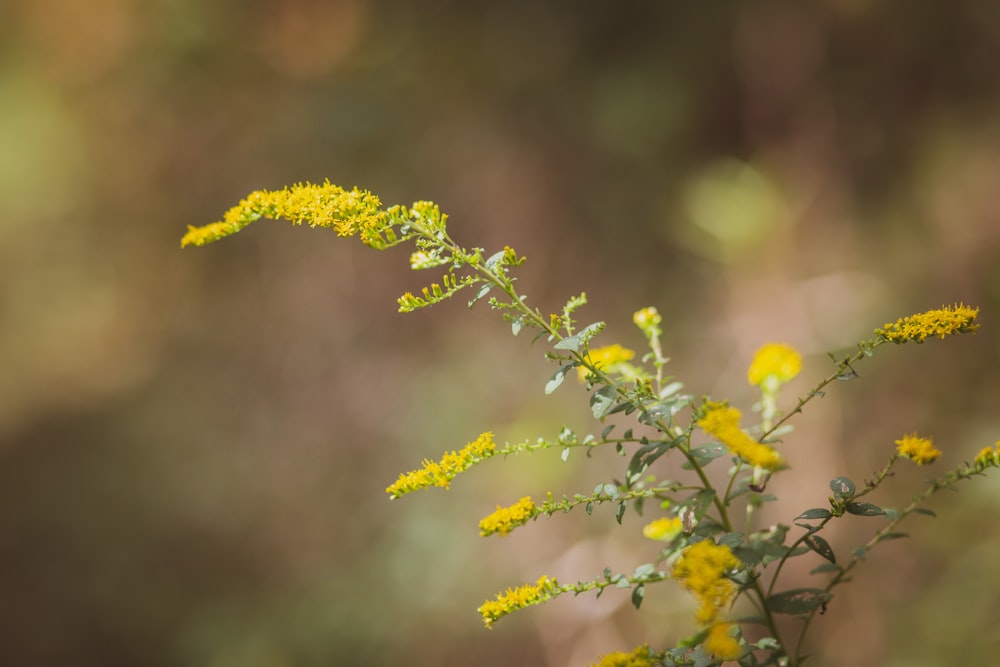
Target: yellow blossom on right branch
{"points": [[941, 322], [723, 422], [919, 450]]}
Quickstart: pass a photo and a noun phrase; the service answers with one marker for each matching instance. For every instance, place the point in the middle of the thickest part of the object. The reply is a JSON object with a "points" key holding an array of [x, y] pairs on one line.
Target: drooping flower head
{"points": [[773, 365], [941, 322], [513, 599], [440, 473], [702, 568], [723, 422], [919, 450], [506, 519]]}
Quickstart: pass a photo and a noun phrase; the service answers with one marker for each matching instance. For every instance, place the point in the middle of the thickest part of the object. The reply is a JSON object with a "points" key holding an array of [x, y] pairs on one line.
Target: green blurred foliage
{"points": [[194, 445]]}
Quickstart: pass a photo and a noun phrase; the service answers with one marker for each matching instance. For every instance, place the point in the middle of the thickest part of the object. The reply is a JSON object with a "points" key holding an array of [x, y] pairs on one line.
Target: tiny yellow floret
{"points": [[721, 644], [646, 318], [723, 422], [506, 519], [663, 529], [919, 450], [988, 457], [941, 322], [513, 599], [774, 364], [640, 657]]}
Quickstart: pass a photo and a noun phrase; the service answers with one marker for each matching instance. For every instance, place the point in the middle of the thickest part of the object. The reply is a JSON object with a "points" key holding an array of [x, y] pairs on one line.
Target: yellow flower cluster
{"points": [[607, 356], [702, 568], [440, 473], [989, 456], [774, 364], [506, 519], [640, 657], [664, 529], [919, 450], [518, 598], [941, 322], [721, 644], [723, 422], [348, 212]]}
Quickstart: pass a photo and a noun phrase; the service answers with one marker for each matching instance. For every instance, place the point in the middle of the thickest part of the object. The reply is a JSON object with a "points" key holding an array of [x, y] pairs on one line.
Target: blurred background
{"points": [[194, 445]]}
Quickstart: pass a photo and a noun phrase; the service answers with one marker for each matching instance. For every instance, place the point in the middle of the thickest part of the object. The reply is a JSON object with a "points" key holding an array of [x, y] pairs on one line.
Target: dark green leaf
{"points": [[820, 546], [707, 453], [825, 567], [798, 601], [922, 510], [864, 509], [815, 513], [842, 487], [621, 511], [638, 593], [607, 431], [589, 507], [892, 536]]}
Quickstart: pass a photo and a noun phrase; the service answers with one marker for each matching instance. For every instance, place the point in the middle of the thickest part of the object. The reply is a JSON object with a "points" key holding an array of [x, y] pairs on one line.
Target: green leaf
{"points": [[557, 378], [638, 593], [798, 601], [708, 453], [483, 291], [602, 400], [621, 511], [643, 571], [842, 487], [815, 513], [864, 509], [565, 454], [825, 567], [892, 536], [607, 431], [516, 325], [922, 510], [820, 546]]}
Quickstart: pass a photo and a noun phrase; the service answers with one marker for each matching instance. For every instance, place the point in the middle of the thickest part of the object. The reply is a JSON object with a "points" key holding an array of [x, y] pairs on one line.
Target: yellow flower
{"points": [[506, 519], [605, 357], [518, 598], [774, 364], [987, 457], [440, 473], [721, 644], [664, 529], [640, 657], [348, 212], [702, 568], [647, 318], [919, 450], [942, 322], [723, 422]]}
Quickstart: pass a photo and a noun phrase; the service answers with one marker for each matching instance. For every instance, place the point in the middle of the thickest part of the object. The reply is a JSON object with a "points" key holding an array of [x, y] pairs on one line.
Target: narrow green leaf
{"points": [[557, 378], [864, 509], [892, 536], [820, 546], [798, 601], [638, 593], [922, 510], [565, 454], [483, 291], [643, 571], [607, 431], [825, 567], [815, 513], [621, 511]]}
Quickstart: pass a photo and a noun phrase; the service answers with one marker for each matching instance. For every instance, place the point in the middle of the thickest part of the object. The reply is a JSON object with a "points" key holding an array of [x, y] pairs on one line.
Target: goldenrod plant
{"points": [[703, 535]]}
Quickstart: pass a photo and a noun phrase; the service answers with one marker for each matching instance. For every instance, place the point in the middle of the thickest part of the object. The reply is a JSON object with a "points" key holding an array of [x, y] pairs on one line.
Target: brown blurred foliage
{"points": [[194, 445]]}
